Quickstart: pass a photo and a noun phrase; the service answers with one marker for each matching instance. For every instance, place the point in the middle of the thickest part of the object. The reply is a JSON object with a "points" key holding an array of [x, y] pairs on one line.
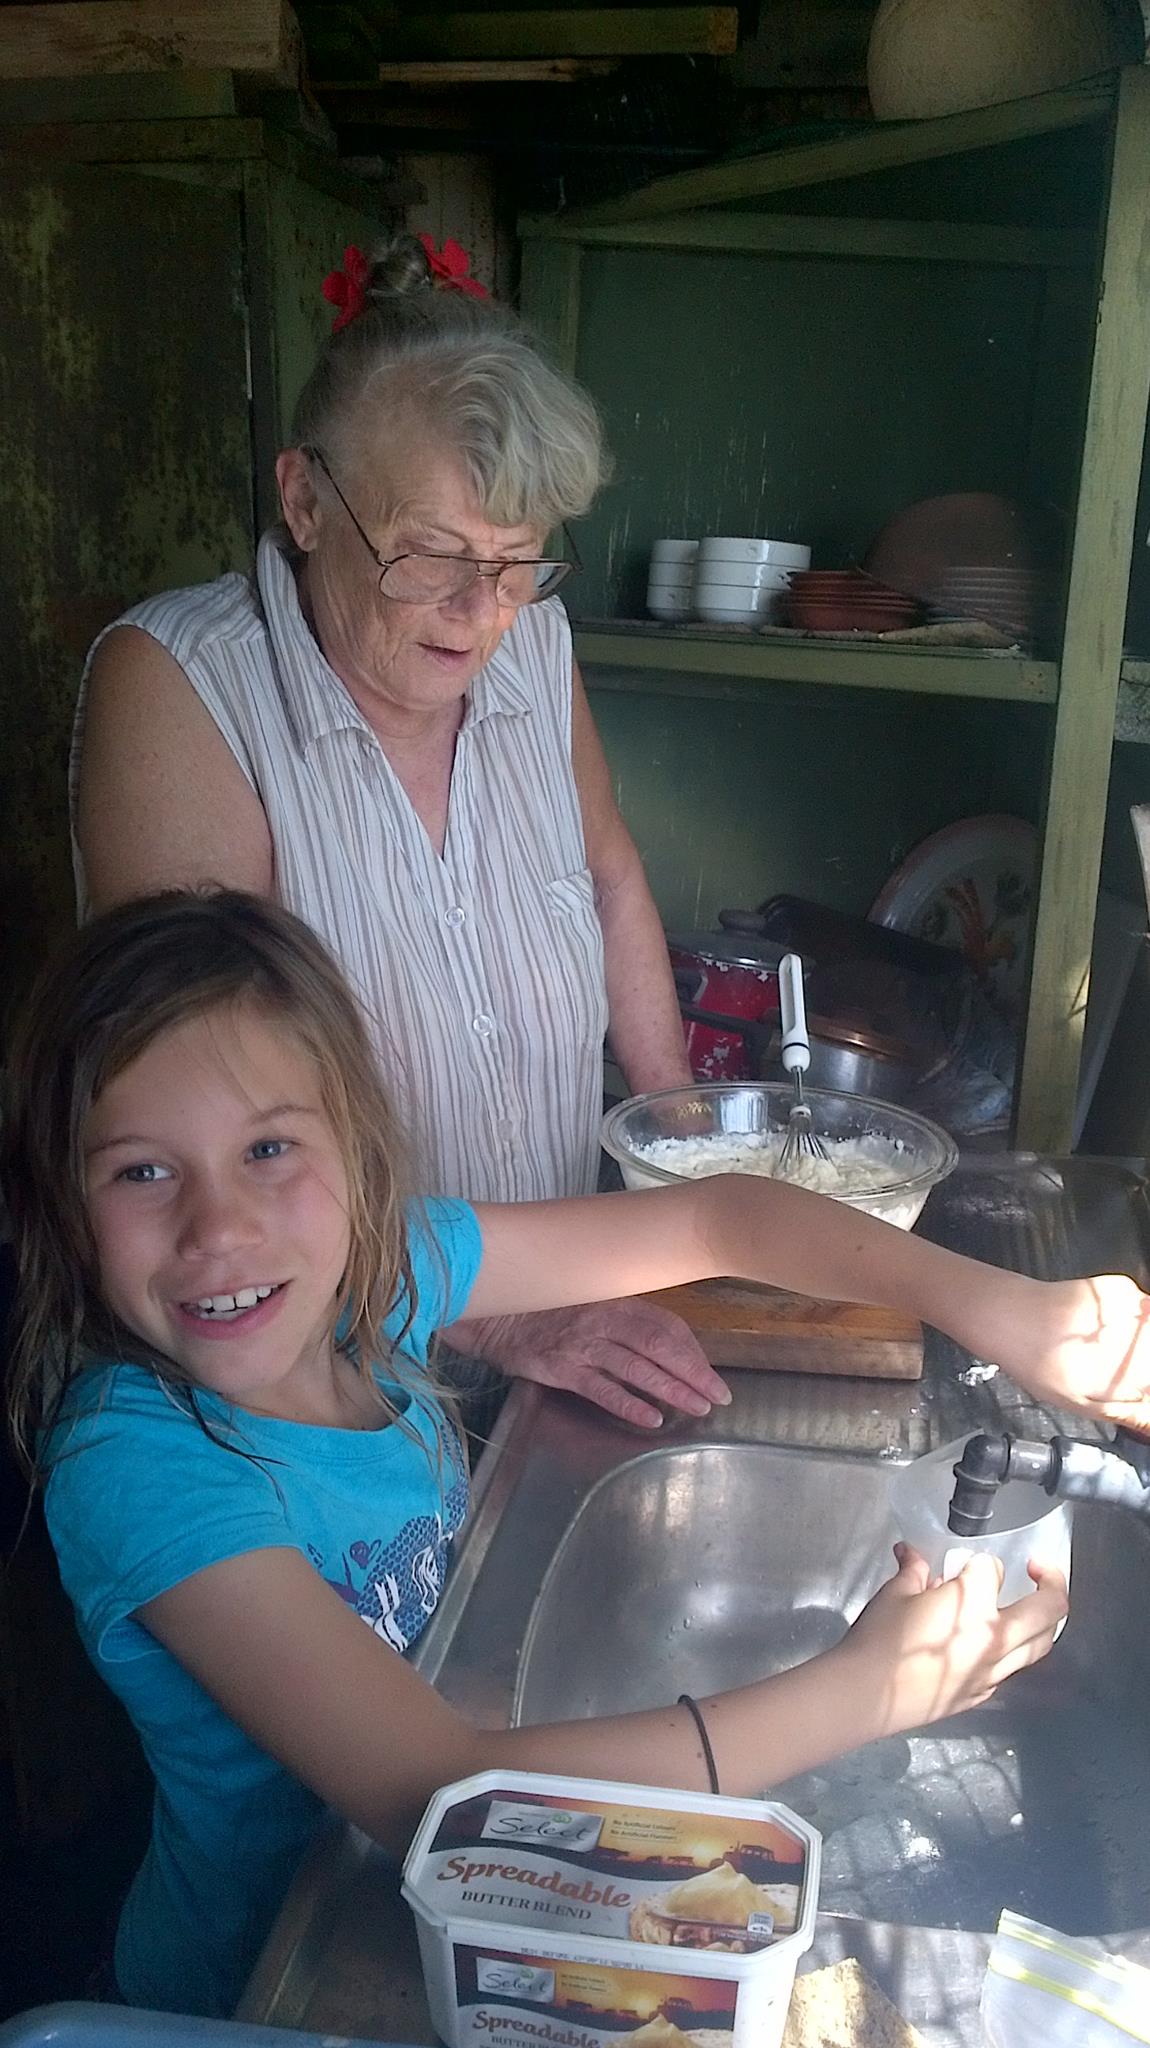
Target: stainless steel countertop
{"points": [[342, 1959]]}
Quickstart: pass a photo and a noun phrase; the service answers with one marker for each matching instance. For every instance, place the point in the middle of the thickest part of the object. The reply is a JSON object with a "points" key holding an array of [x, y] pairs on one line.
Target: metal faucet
{"points": [[1067, 1468]]}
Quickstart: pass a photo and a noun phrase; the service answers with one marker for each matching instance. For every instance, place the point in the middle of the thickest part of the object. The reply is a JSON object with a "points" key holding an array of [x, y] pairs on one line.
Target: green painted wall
{"points": [[811, 398], [801, 397], [819, 794]]}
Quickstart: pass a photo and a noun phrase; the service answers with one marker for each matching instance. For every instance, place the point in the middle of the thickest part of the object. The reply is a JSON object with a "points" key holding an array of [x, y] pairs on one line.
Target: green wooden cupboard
{"points": [[799, 343], [161, 284], [161, 281]]}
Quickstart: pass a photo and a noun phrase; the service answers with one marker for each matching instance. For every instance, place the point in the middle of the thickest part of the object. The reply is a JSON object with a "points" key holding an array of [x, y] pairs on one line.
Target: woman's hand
{"points": [[923, 1650], [622, 1355], [1093, 1349]]}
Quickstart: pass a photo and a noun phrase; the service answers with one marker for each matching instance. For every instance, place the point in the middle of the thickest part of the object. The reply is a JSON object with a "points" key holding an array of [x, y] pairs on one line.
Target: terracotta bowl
{"points": [[849, 615]]}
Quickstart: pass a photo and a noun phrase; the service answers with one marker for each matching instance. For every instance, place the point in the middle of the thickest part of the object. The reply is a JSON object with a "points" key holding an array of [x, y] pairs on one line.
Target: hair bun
{"points": [[400, 265]]}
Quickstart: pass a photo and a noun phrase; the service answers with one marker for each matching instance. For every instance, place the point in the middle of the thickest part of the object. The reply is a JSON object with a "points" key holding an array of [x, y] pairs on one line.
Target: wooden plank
{"points": [[878, 147], [142, 142], [435, 76], [151, 144], [661, 652], [764, 1329], [120, 96], [1092, 648], [568, 32], [265, 398], [70, 38], [800, 234]]}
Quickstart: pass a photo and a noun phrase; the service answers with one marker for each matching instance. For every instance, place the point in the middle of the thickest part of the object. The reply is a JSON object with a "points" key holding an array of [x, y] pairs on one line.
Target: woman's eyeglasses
{"points": [[437, 579]]}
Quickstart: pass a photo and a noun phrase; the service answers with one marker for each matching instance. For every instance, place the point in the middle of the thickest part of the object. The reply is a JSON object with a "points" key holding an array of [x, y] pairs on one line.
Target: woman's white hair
{"points": [[529, 436]]}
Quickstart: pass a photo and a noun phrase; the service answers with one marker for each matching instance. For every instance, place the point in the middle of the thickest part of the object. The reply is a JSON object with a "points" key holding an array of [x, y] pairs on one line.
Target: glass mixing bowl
{"points": [[921, 1154]]}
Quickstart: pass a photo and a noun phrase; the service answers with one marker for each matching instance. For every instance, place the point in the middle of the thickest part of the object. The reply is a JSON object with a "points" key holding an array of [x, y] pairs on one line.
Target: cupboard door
{"points": [[125, 466]]}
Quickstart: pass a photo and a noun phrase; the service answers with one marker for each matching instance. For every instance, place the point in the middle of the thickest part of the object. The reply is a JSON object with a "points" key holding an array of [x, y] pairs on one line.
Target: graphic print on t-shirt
{"points": [[395, 1586]]}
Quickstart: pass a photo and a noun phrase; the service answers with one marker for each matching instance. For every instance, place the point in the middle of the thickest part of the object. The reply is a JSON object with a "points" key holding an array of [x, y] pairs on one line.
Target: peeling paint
{"points": [[124, 466]]}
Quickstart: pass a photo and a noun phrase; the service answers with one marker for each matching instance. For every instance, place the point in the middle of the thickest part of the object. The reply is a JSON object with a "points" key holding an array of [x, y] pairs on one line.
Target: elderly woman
{"points": [[385, 729]]}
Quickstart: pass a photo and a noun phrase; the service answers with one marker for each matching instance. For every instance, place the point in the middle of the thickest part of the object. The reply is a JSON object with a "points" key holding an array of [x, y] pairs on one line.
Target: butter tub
{"points": [[574, 1913]]}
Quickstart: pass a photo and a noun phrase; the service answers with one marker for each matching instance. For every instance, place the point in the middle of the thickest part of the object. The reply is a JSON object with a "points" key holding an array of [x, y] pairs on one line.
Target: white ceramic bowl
{"points": [[758, 590], [721, 603], [783, 554], [674, 550], [731, 614], [661, 606], [672, 576], [740, 576]]}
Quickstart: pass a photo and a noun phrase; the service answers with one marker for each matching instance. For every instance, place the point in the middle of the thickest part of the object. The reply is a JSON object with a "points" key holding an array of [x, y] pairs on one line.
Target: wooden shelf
{"points": [[724, 230], [1108, 360], [880, 145], [673, 659]]}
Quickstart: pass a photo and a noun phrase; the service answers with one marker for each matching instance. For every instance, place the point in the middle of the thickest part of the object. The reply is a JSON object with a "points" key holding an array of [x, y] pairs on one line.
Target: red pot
{"points": [[734, 977]]}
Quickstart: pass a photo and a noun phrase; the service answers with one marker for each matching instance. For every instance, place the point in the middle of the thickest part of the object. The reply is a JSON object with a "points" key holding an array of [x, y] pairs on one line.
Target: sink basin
{"points": [[695, 1568], [602, 1568]]}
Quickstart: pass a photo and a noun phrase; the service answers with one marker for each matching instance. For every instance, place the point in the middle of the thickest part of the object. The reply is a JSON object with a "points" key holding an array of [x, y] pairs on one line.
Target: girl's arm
{"points": [[310, 1683], [1077, 1343]]}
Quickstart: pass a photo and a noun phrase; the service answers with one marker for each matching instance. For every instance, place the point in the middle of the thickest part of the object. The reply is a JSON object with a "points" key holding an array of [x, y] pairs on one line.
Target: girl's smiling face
{"points": [[218, 1202]]}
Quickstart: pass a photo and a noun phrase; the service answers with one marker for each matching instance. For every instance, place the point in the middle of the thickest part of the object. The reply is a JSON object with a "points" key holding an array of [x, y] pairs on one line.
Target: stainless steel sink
{"points": [[696, 1568], [600, 1571]]}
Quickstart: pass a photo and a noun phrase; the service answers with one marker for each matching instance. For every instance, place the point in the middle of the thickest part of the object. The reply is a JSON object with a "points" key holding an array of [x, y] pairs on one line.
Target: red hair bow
{"points": [[449, 268], [347, 288]]}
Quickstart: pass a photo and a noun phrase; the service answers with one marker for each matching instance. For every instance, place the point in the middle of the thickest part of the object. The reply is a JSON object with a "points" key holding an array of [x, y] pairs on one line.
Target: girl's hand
{"points": [[923, 1650], [1094, 1351]]}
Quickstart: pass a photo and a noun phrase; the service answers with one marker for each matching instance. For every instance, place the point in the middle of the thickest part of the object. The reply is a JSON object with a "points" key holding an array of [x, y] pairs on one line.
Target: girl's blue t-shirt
{"points": [[138, 1499]]}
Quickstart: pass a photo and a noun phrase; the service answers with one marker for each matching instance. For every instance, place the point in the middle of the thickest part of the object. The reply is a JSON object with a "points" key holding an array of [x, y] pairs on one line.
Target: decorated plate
{"points": [[971, 886]]}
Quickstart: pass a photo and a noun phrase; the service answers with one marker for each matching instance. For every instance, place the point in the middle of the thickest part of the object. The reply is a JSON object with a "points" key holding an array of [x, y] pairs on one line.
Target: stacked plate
{"points": [[1010, 598], [669, 579], [847, 601], [740, 580]]}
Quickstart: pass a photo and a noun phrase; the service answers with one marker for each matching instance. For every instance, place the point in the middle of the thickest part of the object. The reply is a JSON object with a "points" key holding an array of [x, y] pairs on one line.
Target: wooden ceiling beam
{"points": [[435, 76], [563, 32], [78, 38]]}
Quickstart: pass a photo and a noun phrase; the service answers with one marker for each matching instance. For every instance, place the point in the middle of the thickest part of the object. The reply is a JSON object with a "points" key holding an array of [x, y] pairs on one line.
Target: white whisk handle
{"points": [[796, 1047]]}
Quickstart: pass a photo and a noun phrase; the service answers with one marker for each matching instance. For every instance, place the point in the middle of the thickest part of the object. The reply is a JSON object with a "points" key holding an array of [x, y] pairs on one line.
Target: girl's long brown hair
{"points": [[114, 988]]}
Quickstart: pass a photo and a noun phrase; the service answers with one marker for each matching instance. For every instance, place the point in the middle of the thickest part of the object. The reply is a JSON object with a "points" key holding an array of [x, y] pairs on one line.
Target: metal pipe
{"points": [[1116, 1475]]}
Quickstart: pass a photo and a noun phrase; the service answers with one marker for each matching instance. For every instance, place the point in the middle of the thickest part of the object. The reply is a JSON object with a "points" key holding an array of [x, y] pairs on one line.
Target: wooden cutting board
{"points": [[766, 1330]]}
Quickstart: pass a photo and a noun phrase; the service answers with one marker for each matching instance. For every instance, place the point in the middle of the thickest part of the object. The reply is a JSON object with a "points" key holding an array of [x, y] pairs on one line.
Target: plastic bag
{"points": [[1048, 1990]]}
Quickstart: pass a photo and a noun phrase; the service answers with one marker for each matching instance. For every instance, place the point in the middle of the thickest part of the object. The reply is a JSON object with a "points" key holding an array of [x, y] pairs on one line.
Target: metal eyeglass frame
{"points": [[491, 570]]}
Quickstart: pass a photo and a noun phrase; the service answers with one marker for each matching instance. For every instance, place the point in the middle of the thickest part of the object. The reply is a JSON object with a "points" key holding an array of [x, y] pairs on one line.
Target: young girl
{"points": [[221, 1374]]}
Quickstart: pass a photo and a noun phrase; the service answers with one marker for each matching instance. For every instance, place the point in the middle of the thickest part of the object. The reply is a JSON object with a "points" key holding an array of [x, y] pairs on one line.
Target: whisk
{"points": [[800, 1141]]}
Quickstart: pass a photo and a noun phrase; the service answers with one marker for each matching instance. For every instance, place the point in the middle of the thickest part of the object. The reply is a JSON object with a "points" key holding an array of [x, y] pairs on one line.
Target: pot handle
{"points": [[755, 1036], [689, 984], [751, 921]]}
